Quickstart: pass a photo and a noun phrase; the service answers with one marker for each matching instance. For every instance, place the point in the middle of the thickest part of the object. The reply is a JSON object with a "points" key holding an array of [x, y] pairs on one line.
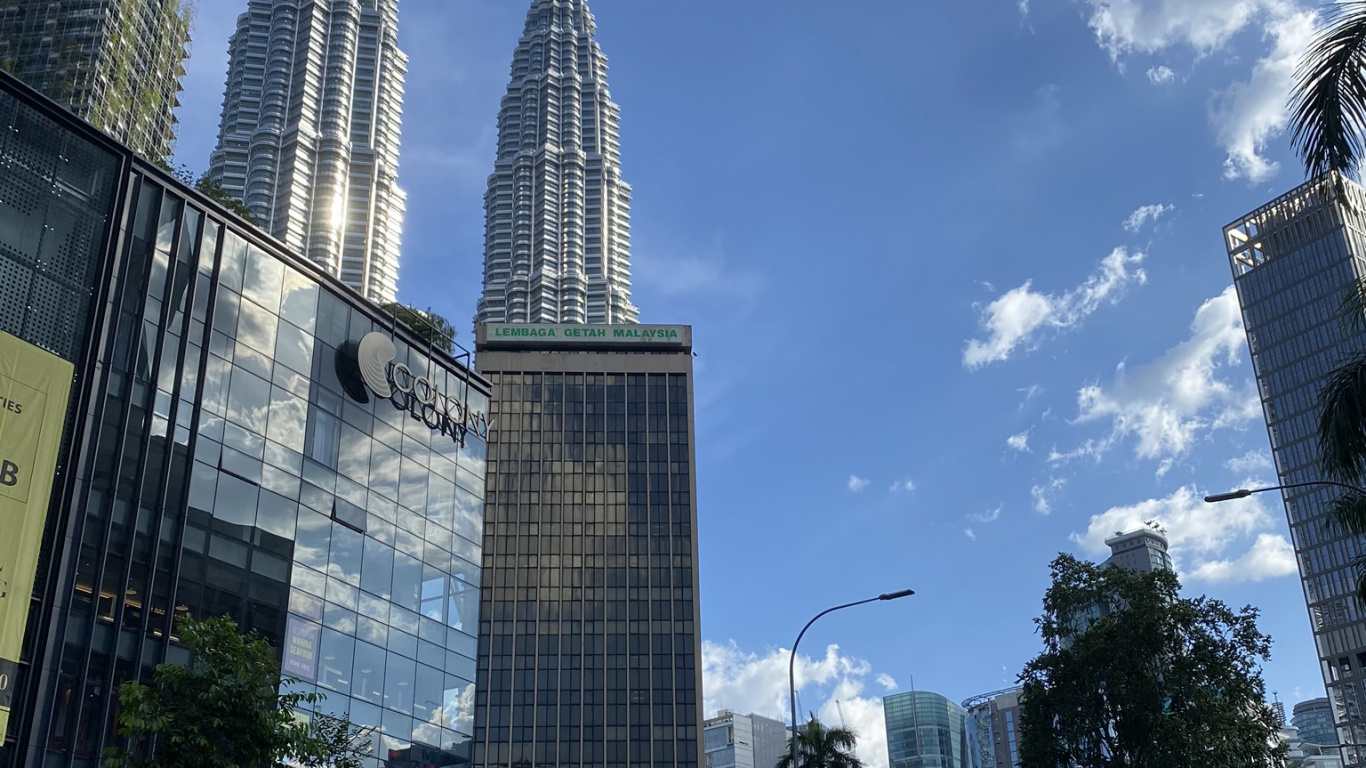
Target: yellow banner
{"points": [[34, 387]]}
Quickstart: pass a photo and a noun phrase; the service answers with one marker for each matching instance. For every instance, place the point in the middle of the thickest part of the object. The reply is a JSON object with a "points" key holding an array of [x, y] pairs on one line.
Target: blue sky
{"points": [[959, 296]]}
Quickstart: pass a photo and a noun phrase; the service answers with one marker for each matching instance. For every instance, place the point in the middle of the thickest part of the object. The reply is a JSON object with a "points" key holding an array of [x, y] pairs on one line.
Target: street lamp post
{"points": [[792, 662], [1243, 493]]}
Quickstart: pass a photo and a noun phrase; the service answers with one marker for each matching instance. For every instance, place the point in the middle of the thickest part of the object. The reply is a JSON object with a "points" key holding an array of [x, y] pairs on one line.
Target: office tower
{"points": [[226, 453], [992, 728], [1142, 550], [115, 63], [589, 651], [1314, 719], [557, 229], [1293, 261], [743, 741], [309, 134], [924, 729]]}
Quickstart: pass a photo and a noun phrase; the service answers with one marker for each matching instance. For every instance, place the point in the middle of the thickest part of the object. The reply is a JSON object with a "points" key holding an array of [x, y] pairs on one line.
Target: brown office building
{"points": [[588, 631]]}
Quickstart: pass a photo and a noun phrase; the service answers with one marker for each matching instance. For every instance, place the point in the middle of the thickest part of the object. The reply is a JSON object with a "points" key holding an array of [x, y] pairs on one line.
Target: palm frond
{"points": [[1349, 512], [1360, 564], [1328, 102], [1342, 422], [1352, 308]]}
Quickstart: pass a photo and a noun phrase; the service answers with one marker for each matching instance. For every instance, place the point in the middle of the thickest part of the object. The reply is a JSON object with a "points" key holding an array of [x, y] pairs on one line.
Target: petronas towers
{"points": [[309, 135], [557, 232]]}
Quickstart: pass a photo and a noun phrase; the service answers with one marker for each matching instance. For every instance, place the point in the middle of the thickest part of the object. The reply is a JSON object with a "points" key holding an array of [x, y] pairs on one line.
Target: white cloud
{"points": [[1019, 442], [857, 483], [1171, 402], [743, 681], [902, 485], [1148, 26], [1248, 114], [1250, 463], [1201, 535], [1145, 214], [886, 681], [1160, 75], [1271, 556], [1017, 317], [1043, 495], [989, 516], [970, 534]]}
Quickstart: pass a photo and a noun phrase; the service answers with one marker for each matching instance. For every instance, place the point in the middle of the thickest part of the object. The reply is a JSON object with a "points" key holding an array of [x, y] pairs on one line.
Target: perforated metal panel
{"points": [[51, 311], [14, 285], [56, 194]]}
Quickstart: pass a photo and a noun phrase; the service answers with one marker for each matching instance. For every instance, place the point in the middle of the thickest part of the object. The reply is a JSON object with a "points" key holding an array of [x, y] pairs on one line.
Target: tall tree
{"points": [[1134, 676], [226, 710], [821, 747]]}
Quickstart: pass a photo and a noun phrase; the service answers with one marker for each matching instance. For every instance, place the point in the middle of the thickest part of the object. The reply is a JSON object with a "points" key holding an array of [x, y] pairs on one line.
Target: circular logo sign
{"points": [[373, 355]]}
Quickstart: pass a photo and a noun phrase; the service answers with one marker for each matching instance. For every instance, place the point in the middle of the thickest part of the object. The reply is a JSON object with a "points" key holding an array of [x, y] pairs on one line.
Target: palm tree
{"points": [[821, 747], [1328, 123], [1328, 102]]}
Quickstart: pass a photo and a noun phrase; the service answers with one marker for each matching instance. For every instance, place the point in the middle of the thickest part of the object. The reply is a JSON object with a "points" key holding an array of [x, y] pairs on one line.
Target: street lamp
{"points": [[792, 662], [1243, 493]]}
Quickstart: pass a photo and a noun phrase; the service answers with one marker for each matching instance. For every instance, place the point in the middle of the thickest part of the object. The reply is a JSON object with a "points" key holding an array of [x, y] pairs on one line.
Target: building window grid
{"points": [[92, 663], [580, 423]]}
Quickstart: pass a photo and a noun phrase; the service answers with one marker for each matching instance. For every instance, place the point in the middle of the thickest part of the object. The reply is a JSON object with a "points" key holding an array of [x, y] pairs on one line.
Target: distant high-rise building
{"points": [[589, 648], [115, 63], [309, 134], [557, 228], [924, 729], [1314, 719], [992, 729], [1142, 550], [731, 740], [1293, 261]]}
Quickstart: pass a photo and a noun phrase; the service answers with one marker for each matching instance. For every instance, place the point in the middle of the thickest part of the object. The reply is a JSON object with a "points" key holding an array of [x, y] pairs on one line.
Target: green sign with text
{"points": [[652, 335]]}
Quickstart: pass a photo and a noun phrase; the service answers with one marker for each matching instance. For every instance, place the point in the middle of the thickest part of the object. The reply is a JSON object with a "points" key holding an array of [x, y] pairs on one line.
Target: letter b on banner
{"points": [[9, 473]]}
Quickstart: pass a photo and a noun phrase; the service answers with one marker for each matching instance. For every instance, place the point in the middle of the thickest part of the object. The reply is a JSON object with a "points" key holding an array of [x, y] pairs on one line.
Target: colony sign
{"points": [[443, 412]]}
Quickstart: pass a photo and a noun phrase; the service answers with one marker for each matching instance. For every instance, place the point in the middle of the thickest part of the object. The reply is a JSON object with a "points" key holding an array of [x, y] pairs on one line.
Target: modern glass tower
{"points": [[225, 453], [557, 231], [1293, 260], [1314, 718], [589, 647], [309, 134], [924, 730], [115, 63]]}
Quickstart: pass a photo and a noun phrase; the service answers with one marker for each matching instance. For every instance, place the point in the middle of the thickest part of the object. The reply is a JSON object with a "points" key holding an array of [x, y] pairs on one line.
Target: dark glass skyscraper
{"points": [[588, 634], [1293, 261]]}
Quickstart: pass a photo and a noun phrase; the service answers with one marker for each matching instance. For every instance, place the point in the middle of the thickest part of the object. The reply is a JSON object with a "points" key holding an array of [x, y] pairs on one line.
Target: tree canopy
{"points": [[432, 327], [821, 747], [1132, 675], [226, 710]]}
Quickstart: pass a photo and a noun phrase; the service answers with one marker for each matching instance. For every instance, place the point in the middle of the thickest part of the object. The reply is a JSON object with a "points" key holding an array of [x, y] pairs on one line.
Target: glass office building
{"points": [[924, 730], [1294, 259], [992, 730], [227, 453], [589, 653]]}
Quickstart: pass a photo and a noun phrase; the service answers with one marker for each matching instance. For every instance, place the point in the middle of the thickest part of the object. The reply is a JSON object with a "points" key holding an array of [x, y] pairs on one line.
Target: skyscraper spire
{"points": [[557, 231]]}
